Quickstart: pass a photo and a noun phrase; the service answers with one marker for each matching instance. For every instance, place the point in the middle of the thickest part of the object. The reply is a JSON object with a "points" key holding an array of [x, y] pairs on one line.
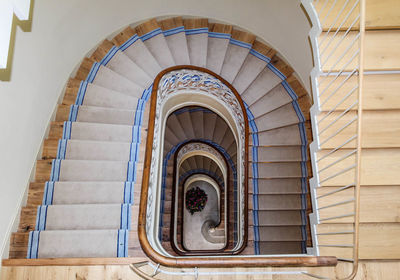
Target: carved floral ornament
{"points": [[199, 147], [188, 80]]}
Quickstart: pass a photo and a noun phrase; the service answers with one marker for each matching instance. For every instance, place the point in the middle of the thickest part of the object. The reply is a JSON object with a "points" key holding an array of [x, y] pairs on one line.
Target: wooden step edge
{"points": [[27, 220], [62, 113], [243, 36], [102, 50], [264, 49], [147, 27], [84, 68], [35, 194], [170, 23], [123, 36], [220, 28], [282, 66], [193, 23]]}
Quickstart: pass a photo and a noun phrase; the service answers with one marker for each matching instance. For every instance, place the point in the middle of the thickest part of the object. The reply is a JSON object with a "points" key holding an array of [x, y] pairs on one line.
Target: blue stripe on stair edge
{"points": [[195, 31], [73, 113], [128, 192], [129, 42], [131, 172], [55, 170], [174, 31], [122, 243], [276, 71], [67, 130], [93, 72], [151, 34], [219, 35], [240, 43], [110, 54], [260, 55], [81, 93], [41, 217], [62, 148], [126, 214], [33, 245], [48, 193]]}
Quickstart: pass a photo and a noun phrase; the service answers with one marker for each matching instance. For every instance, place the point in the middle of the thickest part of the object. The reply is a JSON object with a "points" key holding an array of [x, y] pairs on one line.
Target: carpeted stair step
{"points": [[284, 136], [96, 150], [92, 114], [174, 33], [278, 170], [238, 49], [265, 81], [280, 153], [153, 38], [280, 247], [219, 36], [108, 55], [275, 98], [100, 132], [279, 202], [66, 193], [131, 45], [93, 170], [83, 217], [196, 30], [280, 117], [256, 60], [78, 243], [93, 72], [279, 185], [279, 218], [280, 233], [93, 95]]}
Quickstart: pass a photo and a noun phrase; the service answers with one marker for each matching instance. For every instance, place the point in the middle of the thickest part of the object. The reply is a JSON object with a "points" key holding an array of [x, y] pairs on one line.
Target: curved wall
{"points": [[64, 31]]}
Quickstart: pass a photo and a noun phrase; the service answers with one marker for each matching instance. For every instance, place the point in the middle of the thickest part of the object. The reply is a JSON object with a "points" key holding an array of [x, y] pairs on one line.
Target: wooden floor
{"points": [[368, 270]]}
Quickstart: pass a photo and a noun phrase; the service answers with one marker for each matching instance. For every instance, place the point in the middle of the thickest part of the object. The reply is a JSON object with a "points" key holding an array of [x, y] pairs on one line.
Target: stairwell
{"points": [[102, 126]]}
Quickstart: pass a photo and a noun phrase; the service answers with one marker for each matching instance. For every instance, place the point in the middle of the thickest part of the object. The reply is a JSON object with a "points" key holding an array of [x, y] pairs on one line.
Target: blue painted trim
{"points": [[136, 134], [67, 130], [174, 31], [131, 172], [240, 43], [110, 54], [192, 110], [129, 42], [219, 35], [260, 55], [276, 71], [125, 216], [122, 243], [41, 217], [298, 111], [289, 90], [93, 72], [55, 170], [62, 148], [196, 31], [48, 193], [33, 245], [73, 113], [81, 93], [151, 34], [201, 170], [128, 192]]}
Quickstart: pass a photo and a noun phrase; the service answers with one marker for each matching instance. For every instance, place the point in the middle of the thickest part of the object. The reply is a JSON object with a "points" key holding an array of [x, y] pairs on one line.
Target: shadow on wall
{"points": [[26, 26]]}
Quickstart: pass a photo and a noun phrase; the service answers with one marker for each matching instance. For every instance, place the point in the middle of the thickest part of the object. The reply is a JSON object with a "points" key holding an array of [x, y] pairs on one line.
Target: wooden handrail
{"points": [[235, 261]]}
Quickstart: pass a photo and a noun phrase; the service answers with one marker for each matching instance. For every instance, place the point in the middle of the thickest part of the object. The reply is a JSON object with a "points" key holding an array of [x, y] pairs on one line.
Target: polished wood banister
{"points": [[234, 261]]}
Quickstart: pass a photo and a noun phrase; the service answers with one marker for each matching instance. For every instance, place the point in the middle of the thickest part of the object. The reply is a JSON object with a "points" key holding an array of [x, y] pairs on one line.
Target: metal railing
{"points": [[337, 38]]}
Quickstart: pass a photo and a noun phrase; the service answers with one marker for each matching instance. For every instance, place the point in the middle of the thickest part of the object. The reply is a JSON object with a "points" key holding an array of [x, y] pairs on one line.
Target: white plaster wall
{"points": [[64, 31]]}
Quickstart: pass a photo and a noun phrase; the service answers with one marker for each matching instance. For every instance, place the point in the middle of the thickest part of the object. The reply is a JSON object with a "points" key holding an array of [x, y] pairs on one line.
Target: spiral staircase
{"points": [[85, 197]]}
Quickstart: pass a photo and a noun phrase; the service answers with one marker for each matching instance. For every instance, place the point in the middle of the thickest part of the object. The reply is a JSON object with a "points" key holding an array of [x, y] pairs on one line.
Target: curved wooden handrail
{"points": [[237, 261]]}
